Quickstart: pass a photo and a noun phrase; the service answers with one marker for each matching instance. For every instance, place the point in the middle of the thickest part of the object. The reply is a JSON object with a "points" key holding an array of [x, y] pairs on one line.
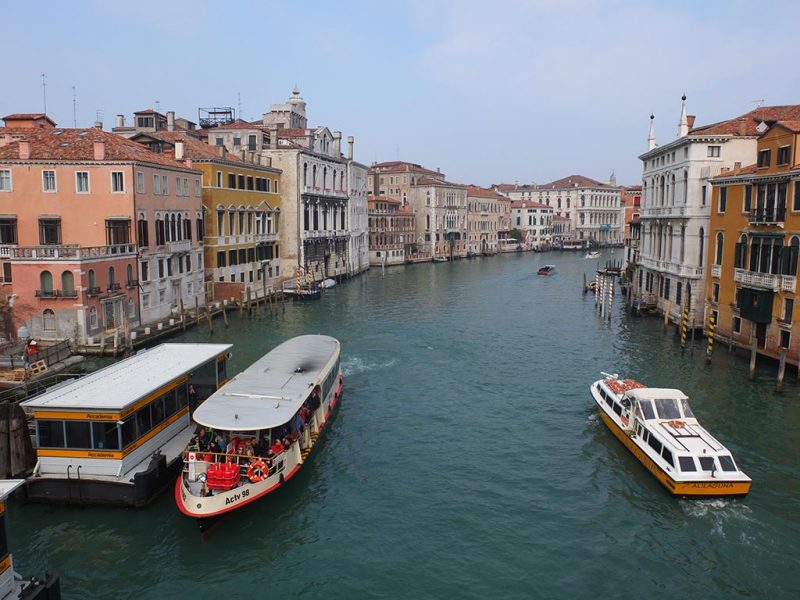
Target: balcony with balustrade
{"points": [[767, 216], [766, 281], [179, 246], [70, 252]]}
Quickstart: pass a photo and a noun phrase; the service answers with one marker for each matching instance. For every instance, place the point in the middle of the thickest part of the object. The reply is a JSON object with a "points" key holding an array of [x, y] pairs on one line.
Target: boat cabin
{"points": [[107, 425]]}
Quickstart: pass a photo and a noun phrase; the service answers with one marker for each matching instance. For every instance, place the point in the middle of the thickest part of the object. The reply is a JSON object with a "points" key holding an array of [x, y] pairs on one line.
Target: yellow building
{"points": [[241, 206], [753, 247]]}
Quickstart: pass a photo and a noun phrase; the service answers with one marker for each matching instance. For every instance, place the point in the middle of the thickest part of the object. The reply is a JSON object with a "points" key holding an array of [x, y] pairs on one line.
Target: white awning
{"points": [[270, 391], [656, 394]]}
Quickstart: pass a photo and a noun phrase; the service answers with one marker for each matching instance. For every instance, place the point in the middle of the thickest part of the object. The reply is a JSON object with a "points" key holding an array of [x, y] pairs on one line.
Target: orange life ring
{"points": [[677, 424], [257, 471]]}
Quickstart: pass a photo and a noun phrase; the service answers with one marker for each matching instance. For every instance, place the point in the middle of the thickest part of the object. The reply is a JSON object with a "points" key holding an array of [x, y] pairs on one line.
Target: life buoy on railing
{"points": [[257, 471], [677, 424]]}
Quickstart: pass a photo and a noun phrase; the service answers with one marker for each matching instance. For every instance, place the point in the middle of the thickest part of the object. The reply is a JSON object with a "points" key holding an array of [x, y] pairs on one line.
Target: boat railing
{"points": [[275, 463]]}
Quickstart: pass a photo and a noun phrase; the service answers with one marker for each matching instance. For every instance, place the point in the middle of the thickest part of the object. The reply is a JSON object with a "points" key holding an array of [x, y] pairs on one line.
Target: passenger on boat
{"points": [[314, 401], [277, 447], [220, 443], [205, 439]]}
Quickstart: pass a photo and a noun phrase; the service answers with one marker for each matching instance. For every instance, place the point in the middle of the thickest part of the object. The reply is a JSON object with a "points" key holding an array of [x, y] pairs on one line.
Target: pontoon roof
{"points": [[270, 391], [656, 394], [125, 382]]}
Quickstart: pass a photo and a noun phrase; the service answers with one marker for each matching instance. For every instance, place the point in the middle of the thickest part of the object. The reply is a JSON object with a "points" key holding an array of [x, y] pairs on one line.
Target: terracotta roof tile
{"points": [[192, 147], [473, 191], [433, 181], [572, 181], [78, 145], [528, 204], [746, 124]]}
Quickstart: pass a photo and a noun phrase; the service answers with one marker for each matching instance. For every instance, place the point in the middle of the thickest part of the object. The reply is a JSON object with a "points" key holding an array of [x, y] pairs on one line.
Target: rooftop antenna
{"points": [[74, 107], [239, 98], [44, 91], [759, 103], [158, 106], [98, 116]]}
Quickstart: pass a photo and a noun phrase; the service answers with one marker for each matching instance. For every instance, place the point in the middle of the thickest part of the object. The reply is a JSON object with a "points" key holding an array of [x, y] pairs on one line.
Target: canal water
{"points": [[466, 460]]}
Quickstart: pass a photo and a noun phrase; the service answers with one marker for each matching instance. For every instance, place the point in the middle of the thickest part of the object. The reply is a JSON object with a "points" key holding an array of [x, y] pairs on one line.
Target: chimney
{"points": [[24, 150], [189, 163], [98, 125], [170, 120], [690, 120], [99, 150], [273, 138], [179, 150], [310, 135], [350, 141], [5, 140], [337, 143], [742, 126], [737, 166], [222, 151], [120, 120]]}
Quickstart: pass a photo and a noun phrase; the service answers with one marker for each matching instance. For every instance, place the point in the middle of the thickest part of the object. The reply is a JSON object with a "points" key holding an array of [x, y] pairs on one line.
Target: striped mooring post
{"points": [[684, 327], [710, 347], [610, 297]]}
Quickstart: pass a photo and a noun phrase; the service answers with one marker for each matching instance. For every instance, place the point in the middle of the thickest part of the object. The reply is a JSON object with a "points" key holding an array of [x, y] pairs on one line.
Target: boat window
{"points": [[647, 409], [667, 409], [655, 444], [687, 463], [79, 434], [170, 405], [608, 400], [707, 463], [602, 392], [667, 456], [646, 435], [617, 408], [104, 436], [687, 410], [626, 402], [157, 409], [221, 371], [128, 431], [726, 462], [51, 433], [143, 421], [181, 393]]}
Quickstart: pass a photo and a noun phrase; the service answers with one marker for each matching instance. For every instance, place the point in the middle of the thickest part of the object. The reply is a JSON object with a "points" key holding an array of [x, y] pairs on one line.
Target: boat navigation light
{"points": [[235, 416]]}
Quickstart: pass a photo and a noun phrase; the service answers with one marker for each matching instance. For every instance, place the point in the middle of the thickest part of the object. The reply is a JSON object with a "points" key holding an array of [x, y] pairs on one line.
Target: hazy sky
{"points": [[504, 90]]}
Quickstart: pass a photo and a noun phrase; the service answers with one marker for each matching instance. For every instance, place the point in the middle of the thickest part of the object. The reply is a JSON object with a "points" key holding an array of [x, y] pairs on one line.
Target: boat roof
{"points": [[125, 382], [271, 390], [7, 486], [649, 393]]}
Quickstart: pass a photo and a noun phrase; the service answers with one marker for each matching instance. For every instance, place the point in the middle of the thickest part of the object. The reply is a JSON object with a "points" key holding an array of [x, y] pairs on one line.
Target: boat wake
{"points": [[357, 365], [718, 511]]}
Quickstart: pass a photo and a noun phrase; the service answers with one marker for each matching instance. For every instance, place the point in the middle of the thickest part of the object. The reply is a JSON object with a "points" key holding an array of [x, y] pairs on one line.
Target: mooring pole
{"points": [[753, 352], [781, 370], [710, 346]]}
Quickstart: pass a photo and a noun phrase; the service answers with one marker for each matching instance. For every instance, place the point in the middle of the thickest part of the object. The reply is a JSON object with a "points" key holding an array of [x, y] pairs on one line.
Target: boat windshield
{"points": [[647, 409], [667, 408], [687, 410]]}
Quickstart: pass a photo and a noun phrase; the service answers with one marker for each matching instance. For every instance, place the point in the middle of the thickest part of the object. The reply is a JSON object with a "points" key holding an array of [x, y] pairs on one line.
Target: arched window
{"points": [[131, 309], [111, 278], [92, 317], [720, 240], [91, 281], [46, 283], [702, 246], [794, 250], [179, 228], [129, 273], [314, 175], [48, 320], [325, 177], [68, 283], [305, 173]]}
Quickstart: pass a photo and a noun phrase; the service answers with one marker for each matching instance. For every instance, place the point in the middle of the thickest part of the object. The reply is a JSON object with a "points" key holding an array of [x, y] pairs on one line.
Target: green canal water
{"points": [[466, 460]]}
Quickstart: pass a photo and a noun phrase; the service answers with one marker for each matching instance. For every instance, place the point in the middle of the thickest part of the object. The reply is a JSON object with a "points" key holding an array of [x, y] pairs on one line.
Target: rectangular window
{"points": [[178, 188], [140, 182], [726, 462], [737, 324], [8, 230], [707, 463], [218, 141], [5, 180], [782, 156], [164, 184], [82, 182], [723, 199], [251, 142], [713, 151], [156, 184], [655, 444], [232, 181], [221, 259], [250, 183], [118, 231], [237, 141], [128, 430], [667, 456], [160, 268], [748, 198], [145, 270], [715, 293], [48, 181], [764, 158], [117, 181], [197, 188], [105, 436], [49, 232], [219, 179], [687, 463], [788, 309], [241, 182], [51, 433], [786, 338], [79, 434]]}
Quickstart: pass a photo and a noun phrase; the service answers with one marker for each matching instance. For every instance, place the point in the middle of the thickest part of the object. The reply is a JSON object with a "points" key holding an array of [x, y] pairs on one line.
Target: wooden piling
{"points": [[5, 450], [208, 318], [610, 297], [710, 346], [753, 353], [241, 305], [666, 315], [197, 310], [183, 314], [249, 301], [781, 370], [684, 328], [22, 458], [585, 288], [225, 312]]}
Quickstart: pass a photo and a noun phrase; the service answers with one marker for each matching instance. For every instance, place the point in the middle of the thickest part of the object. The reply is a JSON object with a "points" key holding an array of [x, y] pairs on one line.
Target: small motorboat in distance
{"points": [[658, 427], [546, 270], [439, 259], [593, 255]]}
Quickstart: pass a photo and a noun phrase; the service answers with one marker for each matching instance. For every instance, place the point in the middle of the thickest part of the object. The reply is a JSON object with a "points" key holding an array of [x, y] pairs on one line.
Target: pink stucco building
{"points": [[97, 233]]}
